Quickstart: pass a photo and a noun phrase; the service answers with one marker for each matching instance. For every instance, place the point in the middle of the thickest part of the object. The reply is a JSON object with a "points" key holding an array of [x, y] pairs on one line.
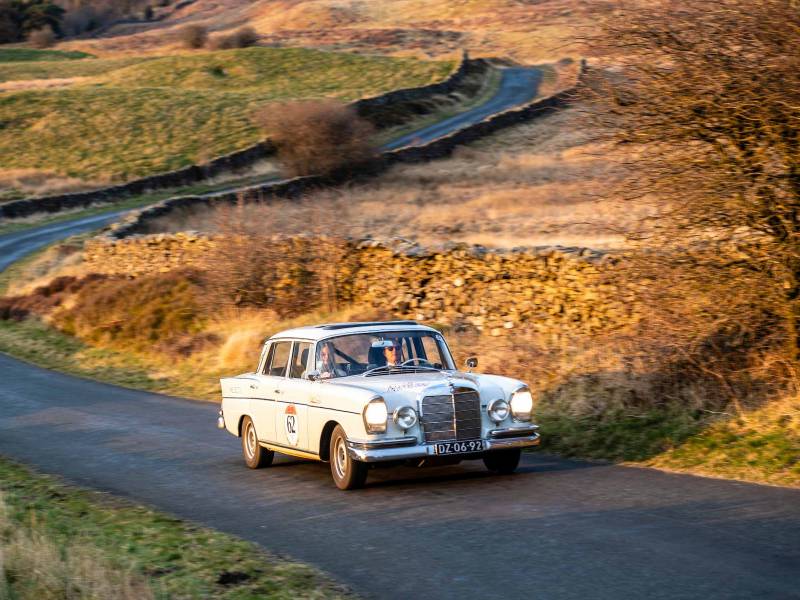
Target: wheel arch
{"points": [[325, 440], [239, 426]]}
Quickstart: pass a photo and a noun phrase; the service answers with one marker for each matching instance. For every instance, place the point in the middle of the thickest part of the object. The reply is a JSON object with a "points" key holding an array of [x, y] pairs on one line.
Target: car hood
{"points": [[403, 388]]}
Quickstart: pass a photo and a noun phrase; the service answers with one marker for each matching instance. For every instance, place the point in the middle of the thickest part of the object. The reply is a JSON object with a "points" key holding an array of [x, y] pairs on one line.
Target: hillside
{"points": [[521, 30], [109, 119]]}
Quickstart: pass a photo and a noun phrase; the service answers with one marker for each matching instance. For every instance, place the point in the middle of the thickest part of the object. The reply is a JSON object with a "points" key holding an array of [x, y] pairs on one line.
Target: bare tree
{"points": [[316, 137], [290, 262], [707, 100]]}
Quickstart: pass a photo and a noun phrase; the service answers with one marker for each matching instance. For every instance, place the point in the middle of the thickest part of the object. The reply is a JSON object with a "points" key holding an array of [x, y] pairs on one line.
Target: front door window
{"points": [[299, 363]]}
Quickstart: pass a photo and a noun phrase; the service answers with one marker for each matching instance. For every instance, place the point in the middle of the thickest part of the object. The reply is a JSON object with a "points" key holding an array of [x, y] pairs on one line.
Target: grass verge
{"points": [[35, 342], [761, 445], [58, 537]]}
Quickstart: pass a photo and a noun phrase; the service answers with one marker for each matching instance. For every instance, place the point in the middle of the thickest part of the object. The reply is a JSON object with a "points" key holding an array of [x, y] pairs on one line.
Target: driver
{"points": [[326, 364], [393, 354]]}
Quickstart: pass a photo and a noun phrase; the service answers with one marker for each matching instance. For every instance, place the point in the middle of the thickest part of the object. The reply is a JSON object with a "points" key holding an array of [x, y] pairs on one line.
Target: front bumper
{"points": [[410, 447]]}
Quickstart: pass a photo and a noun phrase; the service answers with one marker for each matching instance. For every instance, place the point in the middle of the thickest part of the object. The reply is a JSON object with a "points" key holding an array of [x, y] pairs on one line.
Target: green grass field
{"points": [[29, 54], [59, 541], [137, 116]]}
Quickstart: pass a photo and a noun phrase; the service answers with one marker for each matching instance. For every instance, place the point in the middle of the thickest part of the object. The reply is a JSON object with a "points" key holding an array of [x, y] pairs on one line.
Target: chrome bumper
{"points": [[410, 447], [221, 420]]}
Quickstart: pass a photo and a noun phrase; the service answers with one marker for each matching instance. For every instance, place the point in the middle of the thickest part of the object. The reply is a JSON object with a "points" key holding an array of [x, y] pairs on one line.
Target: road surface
{"points": [[557, 529], [518, 85]]}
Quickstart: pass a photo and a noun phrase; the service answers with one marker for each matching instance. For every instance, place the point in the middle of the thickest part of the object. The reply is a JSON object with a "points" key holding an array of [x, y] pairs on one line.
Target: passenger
{"points": [[326, 364]]}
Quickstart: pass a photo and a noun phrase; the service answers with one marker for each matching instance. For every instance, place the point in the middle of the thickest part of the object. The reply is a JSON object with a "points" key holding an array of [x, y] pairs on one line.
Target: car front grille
{"points": [[455, 416]]}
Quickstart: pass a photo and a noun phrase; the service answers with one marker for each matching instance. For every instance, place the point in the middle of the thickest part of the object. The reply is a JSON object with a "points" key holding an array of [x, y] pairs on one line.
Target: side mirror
{"points": [[313, 375], [472, 362]]}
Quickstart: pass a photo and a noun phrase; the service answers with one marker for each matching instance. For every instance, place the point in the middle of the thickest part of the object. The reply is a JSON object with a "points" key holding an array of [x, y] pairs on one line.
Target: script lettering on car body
{"points": [[409, 385]]}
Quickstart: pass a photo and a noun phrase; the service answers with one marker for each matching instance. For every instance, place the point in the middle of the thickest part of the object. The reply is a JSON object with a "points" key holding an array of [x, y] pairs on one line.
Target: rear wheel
{"points": [[503, 462], [255, 456], [348, 474]]}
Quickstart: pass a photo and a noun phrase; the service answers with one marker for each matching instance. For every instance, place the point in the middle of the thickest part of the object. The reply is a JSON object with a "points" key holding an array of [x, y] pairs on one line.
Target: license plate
{"points": [[458, 447]]}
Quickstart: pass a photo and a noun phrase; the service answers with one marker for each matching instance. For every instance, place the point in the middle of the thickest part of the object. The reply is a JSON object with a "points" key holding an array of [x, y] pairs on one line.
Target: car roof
{"points": [[328, 330]]}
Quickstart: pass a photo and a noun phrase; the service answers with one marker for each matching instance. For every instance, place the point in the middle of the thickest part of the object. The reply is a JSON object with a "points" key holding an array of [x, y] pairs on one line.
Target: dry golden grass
{"points": [[543, 183], [37, 182], [40, 84]]}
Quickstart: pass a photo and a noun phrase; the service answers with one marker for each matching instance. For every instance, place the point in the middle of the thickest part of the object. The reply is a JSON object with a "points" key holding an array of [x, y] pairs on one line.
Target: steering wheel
{"points": [[416, 360]]}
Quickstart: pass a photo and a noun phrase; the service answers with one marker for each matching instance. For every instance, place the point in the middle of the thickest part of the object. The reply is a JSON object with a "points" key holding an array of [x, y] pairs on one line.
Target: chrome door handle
{"points": [[314, 401], [253, 386], [277, 391]]}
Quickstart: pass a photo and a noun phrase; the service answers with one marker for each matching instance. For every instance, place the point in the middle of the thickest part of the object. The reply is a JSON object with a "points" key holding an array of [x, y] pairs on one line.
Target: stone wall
{"points": [[552, 290]]}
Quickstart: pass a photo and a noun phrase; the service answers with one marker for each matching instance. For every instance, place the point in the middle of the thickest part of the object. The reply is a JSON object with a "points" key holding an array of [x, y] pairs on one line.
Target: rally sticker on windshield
{"points": [[291, 424]]}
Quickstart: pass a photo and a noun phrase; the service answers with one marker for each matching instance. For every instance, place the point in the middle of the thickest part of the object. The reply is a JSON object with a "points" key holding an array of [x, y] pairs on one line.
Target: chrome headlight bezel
{"points": [[375, 415], [523, 408], [408, 413], [498, 410]]}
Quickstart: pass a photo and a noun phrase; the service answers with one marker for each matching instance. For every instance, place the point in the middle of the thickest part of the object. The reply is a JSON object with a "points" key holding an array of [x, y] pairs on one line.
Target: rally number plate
{"points": [[458, 447]]}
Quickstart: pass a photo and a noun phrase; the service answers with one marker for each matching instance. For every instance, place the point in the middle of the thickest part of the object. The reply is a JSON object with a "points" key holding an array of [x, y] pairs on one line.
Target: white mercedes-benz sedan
{"points": [[358, 395]]}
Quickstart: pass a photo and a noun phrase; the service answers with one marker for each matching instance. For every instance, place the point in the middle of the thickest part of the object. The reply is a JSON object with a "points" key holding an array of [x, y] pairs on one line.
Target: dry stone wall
{"points": [[553, 290]]}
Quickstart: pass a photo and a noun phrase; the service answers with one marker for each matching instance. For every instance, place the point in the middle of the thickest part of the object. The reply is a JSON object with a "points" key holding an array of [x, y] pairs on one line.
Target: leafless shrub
{"points": [[42, 38], [316, 137], [241, 38], [290, 267], [706, 104], [194, 36]]}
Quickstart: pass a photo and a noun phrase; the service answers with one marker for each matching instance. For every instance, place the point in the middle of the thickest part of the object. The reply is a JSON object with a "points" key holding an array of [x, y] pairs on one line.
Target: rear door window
{"points": [[278, 359]]}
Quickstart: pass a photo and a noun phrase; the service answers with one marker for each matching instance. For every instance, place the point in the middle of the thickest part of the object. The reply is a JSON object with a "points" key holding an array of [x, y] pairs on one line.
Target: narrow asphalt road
{"points": [[518, 85], [14, 246], [557, 529]]}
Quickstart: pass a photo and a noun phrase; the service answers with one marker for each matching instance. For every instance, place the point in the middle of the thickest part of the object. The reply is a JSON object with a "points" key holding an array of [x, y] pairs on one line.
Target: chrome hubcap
{"points": [[340, 458], [250, 441]]}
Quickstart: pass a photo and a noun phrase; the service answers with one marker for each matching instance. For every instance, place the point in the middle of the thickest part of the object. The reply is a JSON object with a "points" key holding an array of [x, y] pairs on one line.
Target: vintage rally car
{"points": [[366, 394]]}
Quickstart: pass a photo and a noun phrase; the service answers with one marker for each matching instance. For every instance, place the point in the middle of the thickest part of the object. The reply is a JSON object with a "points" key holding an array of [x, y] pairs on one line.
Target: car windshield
{"points": [[354, 354]]}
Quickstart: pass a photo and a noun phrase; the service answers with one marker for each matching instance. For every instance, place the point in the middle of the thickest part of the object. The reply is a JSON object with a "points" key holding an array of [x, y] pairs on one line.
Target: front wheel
{"points": [[348, 474], [255, 456], [503, 462]]}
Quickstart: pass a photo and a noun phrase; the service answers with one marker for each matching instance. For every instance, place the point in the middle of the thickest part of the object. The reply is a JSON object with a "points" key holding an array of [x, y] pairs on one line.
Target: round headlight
{"points": [[405, 417], [522, 404], [375, 416], [498, 410]]}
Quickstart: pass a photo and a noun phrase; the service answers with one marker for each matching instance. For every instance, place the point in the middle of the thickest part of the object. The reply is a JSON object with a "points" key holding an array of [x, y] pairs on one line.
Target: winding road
{"points": [[557, 529], [518, 85]]}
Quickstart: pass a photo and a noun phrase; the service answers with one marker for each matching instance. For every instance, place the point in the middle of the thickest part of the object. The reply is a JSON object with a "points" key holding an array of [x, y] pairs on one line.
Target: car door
{"points": [[292, 418], [267, 389]]}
